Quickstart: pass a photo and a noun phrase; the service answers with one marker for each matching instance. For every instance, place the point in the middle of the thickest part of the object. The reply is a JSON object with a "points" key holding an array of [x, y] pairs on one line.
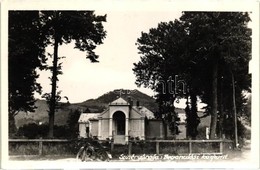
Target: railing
{"points": [[38, 149], [40, 142], [130, 144], [190, 142]]}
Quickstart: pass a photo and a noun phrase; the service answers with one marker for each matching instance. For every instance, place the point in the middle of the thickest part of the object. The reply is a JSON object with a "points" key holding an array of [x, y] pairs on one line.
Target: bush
{"points": [[72, 123], [35, 131], [201, 132]]}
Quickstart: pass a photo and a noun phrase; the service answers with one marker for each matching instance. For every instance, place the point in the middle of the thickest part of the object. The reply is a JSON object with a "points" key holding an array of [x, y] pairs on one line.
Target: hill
{"points": [[41, 114], [102, 102], [92, 105]]}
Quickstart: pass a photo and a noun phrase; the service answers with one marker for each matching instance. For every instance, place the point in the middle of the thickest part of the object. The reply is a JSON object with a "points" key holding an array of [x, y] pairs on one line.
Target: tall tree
{"points": [[60, 27], [25, 54], [202, 48], [159, 65], [220, 39]]}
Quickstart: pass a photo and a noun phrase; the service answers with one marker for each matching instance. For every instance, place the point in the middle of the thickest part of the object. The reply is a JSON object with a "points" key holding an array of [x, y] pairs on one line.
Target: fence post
{"points": [[112, 146], [129, 147], [157, 148], [190, 147], [40, 146], [221, 147]]}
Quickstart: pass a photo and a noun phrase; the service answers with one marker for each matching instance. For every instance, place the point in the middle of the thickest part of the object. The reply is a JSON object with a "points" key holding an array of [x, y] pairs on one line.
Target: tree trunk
{"points": [[221, 110], [234, 108], [53, 89], [213, 123], [194, 115]]}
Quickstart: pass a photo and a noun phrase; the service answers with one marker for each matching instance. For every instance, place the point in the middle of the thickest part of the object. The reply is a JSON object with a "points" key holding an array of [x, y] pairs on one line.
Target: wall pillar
{"points": [[126, 130], [99, 127], [142, 128], [110, 128], [161, 130]]}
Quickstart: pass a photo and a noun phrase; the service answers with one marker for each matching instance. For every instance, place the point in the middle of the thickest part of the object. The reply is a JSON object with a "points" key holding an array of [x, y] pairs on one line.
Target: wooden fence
{"points": [[130, 144], [39, 141], [190, 142]]}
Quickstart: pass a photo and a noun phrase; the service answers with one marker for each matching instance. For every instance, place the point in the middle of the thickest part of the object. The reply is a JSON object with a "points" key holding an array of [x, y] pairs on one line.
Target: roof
{"points": [[144, 111], [119, 101], [85, 117]]}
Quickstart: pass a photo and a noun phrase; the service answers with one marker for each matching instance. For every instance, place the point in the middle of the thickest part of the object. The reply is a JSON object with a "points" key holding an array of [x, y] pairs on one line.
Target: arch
{"points": [[119, 119], [119, 110]]}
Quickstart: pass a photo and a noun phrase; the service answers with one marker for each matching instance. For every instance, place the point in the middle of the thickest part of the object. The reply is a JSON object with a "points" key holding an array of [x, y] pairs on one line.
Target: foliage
{"points": [[247, 110], [222, 41], [72, 123], [25, 54], [192, 122], [70, 130], [171, 118], [206, 50], [35, 131], [30, 32], [159, 61], [61, 27]]}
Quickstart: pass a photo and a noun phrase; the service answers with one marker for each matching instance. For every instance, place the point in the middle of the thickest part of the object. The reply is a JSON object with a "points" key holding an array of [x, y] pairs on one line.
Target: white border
{"points": [[108, 5]]}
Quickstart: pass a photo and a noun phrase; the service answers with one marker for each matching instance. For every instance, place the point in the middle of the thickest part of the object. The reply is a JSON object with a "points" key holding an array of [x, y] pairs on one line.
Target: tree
{"points": [[204, 49], [247, 108], [160, 63], [166, 57], [220, 39], [25, 54], [60, 27], [72, 123]]}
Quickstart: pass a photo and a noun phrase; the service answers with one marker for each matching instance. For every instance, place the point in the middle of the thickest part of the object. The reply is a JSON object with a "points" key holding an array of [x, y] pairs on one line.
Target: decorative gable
{"points": [[119, 101]]}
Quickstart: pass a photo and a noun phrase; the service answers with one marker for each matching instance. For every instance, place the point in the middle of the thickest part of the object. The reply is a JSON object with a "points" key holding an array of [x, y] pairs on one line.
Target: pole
{"points": [[157, 148], [129, 147], [40, 146], [234, 109]]}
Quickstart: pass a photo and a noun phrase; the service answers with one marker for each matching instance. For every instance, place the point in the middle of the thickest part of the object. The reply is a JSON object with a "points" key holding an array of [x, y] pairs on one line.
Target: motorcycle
{"points": [[93, 151]]}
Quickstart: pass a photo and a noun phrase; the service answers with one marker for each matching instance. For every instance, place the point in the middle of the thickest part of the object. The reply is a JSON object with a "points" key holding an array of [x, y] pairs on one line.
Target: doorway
{"points": [[119, 119]]}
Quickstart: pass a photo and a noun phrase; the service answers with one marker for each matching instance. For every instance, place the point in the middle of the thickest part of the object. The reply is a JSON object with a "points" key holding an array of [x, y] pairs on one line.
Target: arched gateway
{"points": [[119, 123], [119, 127]]}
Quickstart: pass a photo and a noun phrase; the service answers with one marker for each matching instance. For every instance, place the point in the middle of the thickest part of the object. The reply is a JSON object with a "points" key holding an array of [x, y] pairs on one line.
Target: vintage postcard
{"points": [[129, 84]]}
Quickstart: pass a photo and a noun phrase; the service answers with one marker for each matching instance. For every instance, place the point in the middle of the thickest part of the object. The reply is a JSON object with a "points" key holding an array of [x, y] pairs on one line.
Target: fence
{"points": [[38, 145], [47, 146], [64, 144], [190, 143]]}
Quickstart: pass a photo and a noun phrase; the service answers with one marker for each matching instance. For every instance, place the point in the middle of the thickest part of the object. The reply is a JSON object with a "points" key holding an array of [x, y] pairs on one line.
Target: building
{"points": [[122, 121]]}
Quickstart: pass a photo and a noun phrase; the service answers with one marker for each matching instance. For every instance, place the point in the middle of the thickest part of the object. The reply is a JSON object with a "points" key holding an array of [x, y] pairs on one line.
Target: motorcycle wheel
{"points": [[103, 156], [80, 153], [83, 154]]}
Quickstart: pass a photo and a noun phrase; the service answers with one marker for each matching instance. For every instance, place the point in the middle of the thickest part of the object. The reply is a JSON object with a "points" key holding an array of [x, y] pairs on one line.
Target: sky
{"points": [[82, 80]]}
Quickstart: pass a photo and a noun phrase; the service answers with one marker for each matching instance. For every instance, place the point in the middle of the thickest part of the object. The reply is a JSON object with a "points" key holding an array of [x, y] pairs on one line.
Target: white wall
{"points": [[104, 128], [82, 130], [94, 128], [135, 128]]}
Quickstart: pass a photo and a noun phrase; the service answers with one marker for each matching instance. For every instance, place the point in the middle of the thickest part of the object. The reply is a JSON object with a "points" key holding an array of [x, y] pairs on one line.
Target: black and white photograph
{"points": [[129, 84]]}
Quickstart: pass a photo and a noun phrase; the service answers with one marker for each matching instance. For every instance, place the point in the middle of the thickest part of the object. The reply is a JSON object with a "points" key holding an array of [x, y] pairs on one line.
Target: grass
{"points": [[28, 148], [55, 151], [39, 158], [32, 148]]}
